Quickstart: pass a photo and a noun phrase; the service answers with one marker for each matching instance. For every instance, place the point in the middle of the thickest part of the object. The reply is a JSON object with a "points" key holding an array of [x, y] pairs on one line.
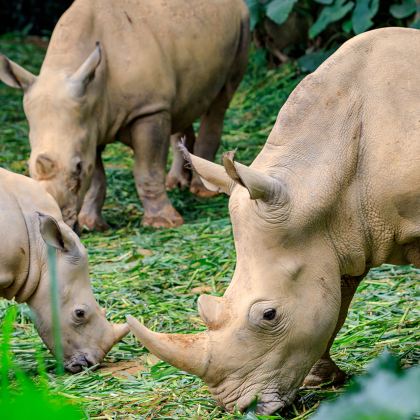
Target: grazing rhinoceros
{"points": [[29, 220], [334, 192], [157, 66]]}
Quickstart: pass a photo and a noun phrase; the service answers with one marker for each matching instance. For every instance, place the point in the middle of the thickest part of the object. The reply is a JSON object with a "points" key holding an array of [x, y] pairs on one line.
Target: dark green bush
{"points": [[35, 17]]}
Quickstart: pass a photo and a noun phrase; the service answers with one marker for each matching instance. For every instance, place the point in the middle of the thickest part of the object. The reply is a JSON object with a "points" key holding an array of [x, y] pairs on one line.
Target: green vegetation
{"points": [[157, 275], [354, 17]]}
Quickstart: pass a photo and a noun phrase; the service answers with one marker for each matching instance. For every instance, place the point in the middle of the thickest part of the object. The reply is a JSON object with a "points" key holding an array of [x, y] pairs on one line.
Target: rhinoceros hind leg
{"points": [[179, 175], [209, 139], [90, 215], [211, 125], [150, 142], [325, 371]]}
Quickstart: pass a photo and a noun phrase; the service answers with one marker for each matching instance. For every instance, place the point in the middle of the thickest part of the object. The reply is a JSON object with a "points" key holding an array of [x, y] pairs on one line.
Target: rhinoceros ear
{"points": [[259, 185], [14, 75], [80, 80], [214, 176], [212, 311], [53, 235]]}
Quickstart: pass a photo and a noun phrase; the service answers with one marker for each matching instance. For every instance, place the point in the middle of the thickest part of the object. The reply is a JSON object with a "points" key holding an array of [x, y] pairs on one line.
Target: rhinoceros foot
{"points": [[197, 188], [92, 222], [177, 180], [324, 372], [167, 217]]}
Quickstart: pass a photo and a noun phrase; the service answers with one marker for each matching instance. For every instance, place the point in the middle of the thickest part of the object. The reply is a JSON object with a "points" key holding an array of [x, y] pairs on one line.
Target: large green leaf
{"points": [[279, 10], [324, 1], [403, 10], [384, 393], [311, 61], [255, 9], [330, 14], [362, 15]]}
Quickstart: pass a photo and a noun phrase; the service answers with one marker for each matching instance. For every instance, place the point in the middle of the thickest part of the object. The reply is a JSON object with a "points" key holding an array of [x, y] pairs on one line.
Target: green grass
{"points": [[157, 275]]}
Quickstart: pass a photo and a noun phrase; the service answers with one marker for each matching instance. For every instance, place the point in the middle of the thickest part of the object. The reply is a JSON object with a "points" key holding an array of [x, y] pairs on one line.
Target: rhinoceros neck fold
{"points": [[18, 259], [33, 277]]}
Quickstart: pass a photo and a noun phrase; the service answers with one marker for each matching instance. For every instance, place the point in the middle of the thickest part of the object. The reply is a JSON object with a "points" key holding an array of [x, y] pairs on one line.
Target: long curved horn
{"points": [[120, 331], [259, 185], [188, 352], [214, 176]]}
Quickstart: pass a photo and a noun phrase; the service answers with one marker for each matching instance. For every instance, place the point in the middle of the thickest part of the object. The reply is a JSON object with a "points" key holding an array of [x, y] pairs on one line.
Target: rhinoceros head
{"points": [[86, 334], [279, 312], [60, 107]]}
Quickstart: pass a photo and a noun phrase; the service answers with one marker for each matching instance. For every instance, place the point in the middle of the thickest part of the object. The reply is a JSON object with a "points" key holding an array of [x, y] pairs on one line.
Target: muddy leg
{"points": [[179, 175], [150, 142], [90, 215], [325, 370]]}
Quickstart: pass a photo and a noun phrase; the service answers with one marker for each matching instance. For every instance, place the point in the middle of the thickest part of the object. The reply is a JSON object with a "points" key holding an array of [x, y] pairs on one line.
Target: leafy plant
{"points": [[327, 12], [385, 393], [20, 397], [326, 23]]}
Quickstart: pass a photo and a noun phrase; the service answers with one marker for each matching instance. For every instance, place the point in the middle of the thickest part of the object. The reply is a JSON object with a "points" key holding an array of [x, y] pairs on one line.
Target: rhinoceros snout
{"points": [[77, 362]]}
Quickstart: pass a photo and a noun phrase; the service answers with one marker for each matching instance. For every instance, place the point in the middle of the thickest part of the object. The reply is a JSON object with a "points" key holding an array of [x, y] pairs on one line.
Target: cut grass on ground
{"points": [[157, 275]]}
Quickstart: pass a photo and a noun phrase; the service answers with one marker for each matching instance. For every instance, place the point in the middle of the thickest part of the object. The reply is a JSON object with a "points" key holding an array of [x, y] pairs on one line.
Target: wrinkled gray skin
{"points": [[334, 192], [157, 67], [29, 219]]}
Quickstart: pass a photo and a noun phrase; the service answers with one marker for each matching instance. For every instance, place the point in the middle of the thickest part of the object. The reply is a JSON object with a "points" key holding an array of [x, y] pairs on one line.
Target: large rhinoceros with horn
{"points": [[334, 192], [29, 220], [157, 66]]}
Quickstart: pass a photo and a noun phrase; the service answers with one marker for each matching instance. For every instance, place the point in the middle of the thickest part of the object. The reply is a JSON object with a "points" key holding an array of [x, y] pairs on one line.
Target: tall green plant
{"points": [[355, 16], [20, 397]]}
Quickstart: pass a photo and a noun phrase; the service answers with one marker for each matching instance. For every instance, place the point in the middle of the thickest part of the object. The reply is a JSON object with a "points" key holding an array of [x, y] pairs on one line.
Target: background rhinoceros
{"points": [[334, 192], [157, 66], [29, 220]]}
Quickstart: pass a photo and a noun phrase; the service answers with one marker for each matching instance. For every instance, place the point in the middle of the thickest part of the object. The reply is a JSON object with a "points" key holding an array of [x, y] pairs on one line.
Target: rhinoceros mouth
{"points": [[78, 362]]}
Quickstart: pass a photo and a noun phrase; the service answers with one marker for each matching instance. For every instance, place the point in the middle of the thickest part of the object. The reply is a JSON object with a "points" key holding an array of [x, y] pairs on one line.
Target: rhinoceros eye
{"points": [[80, 313], [269, 314]]}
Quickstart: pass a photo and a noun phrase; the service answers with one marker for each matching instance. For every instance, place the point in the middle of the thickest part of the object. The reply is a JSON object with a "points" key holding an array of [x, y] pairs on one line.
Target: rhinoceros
{"points": [[136, 70], [334, 192], [29, 220]]}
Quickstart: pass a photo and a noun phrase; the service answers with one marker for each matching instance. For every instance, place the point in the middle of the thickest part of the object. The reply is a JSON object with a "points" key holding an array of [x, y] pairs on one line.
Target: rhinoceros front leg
{"points": [[179, 175], [90, 215], [150, 142], [325, 370]]}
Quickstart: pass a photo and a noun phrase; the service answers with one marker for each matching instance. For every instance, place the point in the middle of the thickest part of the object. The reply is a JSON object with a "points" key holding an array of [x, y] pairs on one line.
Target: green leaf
{"points": [[362, 15], [310, 62], [324, 1], [415, 24], [328, 15], [403, 10], [347, 26], [255, 9], [279, 10], [384, 393]]}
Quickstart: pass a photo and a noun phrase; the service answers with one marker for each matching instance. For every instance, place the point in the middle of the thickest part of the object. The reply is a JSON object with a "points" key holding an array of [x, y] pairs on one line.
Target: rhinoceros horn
{"points": [[86, 72], [120, 331], [188, 352]]}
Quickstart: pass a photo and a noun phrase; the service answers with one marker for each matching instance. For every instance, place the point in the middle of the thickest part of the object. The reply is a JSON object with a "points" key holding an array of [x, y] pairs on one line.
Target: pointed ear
{"points": [[14, 75], [212, 311], [214, 176], [259, 185], [53, 235], [86, 72]]}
